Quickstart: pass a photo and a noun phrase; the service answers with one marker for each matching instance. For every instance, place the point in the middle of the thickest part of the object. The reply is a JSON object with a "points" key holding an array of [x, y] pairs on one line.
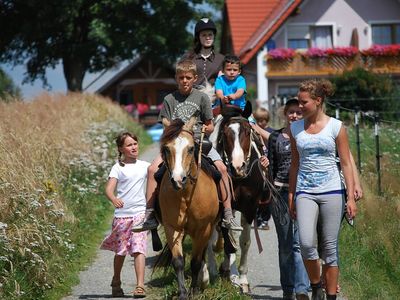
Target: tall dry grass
{"points": [[43, 143]]}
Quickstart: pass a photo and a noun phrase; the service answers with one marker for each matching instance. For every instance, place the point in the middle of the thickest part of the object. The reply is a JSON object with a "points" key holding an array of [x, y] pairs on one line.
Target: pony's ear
{"points": [[189, 124], [165, 122], [247, 110]]}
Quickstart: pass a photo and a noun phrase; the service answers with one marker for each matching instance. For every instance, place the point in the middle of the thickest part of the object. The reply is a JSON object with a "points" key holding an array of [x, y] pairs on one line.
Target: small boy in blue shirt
{"points": [[231, 86]]}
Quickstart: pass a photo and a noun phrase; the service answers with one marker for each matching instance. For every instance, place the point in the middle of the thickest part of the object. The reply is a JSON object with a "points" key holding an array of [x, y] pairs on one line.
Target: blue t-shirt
{"points": [[230, 87]]}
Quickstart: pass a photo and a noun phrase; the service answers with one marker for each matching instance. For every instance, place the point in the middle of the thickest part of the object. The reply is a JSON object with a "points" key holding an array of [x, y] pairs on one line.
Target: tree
{"points": [[368, 91], [8, 90], [92, 35]]}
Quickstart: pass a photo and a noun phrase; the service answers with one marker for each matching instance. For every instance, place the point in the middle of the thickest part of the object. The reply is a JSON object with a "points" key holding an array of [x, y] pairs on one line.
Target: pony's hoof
{"points": [[245, 288]]}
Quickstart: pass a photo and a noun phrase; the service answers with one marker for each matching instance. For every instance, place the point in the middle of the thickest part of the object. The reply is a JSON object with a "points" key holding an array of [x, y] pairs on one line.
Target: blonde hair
{"points": [[186, 66], [317, 88], [261, 114]]}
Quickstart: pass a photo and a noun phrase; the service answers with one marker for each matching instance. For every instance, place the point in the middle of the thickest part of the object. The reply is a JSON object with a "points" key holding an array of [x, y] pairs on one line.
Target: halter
{"points": [[251, 146], [193, 179]]}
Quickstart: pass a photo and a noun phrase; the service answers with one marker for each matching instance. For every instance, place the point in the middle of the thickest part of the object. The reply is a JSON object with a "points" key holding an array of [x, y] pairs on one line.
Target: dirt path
{"points": [[263, 268]]}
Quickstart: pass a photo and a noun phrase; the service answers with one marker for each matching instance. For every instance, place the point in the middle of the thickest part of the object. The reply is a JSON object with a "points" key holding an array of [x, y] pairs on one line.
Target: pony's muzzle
{"points": [[180, 183], [240, 170]]}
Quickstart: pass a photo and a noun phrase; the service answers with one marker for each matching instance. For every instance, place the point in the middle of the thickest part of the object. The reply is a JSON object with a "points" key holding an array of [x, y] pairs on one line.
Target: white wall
{"points": [[344, 16]]}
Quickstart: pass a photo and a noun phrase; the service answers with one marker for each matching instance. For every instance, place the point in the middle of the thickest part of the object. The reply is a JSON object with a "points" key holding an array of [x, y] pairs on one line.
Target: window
{"points": [[298, 43], [298, 37], [386, 34], [287, 91], [304, 36], [321, 36]]}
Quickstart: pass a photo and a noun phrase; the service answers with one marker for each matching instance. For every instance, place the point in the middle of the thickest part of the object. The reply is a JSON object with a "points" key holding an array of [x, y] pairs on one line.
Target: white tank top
{"points": [[318, 170]]}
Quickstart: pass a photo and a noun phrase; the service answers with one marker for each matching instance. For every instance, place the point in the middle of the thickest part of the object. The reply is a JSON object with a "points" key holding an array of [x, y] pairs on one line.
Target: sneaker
{"points": [[149, 224], [264, 225], [231, 224]]}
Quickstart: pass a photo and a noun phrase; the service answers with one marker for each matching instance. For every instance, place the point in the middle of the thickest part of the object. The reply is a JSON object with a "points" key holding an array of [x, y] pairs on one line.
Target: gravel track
{"points": [[263, 268]]}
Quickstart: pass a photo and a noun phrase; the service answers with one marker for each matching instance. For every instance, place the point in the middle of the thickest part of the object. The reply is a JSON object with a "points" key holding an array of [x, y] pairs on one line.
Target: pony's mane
{"points": [[172, 131], [209, 90]]}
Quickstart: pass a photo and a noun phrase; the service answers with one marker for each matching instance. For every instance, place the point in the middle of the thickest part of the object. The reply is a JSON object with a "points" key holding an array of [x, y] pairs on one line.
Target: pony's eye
{"points": [[190, 150]]}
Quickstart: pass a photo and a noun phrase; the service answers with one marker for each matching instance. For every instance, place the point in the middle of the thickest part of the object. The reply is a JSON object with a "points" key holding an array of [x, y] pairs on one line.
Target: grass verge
{"points": [[369, 253], [57, 152]]}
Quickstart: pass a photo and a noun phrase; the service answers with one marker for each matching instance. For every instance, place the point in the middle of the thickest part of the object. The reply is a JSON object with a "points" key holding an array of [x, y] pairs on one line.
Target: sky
{"points": [[56, 80], [55, 77]]}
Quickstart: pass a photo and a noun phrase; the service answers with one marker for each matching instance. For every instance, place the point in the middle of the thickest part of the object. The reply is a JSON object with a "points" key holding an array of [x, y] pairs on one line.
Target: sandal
{"points": [[139, 292], [116, 290]]}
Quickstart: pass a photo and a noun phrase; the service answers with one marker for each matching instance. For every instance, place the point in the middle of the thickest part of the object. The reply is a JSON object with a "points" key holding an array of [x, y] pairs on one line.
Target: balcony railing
{"points": [[301, 65]]}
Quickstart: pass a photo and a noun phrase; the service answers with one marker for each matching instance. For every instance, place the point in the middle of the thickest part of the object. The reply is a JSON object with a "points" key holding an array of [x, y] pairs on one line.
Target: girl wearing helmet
{"points": [[208, 62]]}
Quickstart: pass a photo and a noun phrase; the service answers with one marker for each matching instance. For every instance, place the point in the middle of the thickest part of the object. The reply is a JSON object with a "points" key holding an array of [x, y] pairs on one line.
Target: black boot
{"points": [[317, 291]]}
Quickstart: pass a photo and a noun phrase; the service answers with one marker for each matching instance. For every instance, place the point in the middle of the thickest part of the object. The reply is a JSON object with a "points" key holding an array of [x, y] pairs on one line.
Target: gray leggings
{"points": [[325, 211]]}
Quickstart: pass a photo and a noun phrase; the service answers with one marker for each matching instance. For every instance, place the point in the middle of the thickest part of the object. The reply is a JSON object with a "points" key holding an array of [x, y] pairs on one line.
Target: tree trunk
{"points": [[74, 72]]}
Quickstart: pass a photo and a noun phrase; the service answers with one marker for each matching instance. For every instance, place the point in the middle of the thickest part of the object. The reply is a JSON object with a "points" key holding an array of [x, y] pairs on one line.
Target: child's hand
{"points": [[118, 203], [264, 161], [358, 192], [351, 208], [292, 210], [226, 99]]}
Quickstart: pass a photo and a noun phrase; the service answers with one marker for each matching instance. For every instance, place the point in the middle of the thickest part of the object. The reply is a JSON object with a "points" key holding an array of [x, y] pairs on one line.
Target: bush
{"points": [[368, 91], [8, 90]]}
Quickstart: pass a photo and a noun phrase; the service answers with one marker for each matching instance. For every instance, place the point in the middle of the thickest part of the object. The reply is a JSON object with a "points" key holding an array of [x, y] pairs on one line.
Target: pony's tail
{"points": [[163, 260]]}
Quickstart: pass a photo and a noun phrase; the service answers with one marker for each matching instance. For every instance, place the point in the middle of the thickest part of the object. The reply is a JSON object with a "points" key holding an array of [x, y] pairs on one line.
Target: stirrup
{"points": [[150, 224]]}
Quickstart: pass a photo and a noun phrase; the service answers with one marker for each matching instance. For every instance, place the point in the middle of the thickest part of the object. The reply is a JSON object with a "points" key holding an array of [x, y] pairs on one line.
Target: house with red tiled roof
{"points": [[282, 42]]}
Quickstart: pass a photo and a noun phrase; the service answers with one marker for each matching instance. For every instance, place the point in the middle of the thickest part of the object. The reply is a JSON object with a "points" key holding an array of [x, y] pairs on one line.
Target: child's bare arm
{"points": [[110, 188], [220, 94], [358, 192], [209, 126], [239, 93]]}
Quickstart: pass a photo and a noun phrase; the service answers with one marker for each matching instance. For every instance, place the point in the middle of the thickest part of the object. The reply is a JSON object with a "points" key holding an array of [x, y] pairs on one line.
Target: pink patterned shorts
{"points": [[122, 240]]}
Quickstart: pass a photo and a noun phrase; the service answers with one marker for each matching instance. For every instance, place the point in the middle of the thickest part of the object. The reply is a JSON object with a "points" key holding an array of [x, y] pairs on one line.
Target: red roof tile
{"points": [[245, 17], [251, 20]]}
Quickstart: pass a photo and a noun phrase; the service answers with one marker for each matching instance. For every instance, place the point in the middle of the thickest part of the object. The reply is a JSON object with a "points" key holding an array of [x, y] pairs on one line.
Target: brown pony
{"points": [[188, 201]]}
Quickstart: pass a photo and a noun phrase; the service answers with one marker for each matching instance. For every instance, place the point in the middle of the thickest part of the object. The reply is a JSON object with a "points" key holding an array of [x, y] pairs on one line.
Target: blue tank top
{"points": [[318, 171]]}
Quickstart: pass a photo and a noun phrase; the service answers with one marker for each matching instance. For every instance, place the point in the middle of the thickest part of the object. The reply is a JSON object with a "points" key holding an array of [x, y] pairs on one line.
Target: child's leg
{"points": [[118, 263], [116, 281], [139, 268], [229, 220]]}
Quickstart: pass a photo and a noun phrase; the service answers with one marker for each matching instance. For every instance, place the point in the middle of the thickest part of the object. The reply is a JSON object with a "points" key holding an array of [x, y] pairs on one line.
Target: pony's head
{"points": [[177, 150], [236, 141]]}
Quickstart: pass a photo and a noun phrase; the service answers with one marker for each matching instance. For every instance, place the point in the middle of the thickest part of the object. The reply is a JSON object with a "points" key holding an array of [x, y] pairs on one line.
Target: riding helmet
{"points": [[204, 24]]}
